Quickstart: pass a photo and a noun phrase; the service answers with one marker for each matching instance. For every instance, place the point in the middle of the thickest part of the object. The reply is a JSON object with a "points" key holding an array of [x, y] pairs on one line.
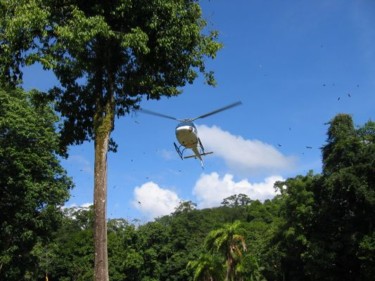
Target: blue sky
{"points": [[293, 64]]}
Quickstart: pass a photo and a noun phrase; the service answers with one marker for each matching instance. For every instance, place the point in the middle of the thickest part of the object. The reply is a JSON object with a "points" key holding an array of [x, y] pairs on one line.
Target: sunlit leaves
{"points": [[136, 39], [33, 185], [79, 30], [22, 24], [207, 267]]}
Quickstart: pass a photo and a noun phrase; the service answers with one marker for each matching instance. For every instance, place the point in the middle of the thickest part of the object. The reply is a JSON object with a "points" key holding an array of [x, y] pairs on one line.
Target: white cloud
{"points": [[243, 156], [73, 207], [79, 206], [155, 201], [86, 205], [210, 189]]}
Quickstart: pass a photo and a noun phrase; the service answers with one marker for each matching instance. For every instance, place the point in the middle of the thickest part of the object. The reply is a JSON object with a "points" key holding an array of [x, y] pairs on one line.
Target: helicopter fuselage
{"points": [[187, 134]]}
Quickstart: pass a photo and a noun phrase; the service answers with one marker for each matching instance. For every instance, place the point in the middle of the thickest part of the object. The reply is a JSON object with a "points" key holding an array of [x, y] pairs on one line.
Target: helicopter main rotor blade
{"points": [[157, 114], [217, 110]]}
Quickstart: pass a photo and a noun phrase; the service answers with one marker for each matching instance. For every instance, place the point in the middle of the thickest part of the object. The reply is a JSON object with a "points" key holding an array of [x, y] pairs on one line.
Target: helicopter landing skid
{"points": [[200, 153], [179, 152], [195, 156]]}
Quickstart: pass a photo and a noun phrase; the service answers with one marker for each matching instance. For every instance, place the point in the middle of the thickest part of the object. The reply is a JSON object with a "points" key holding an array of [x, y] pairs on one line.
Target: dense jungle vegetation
{"points": [[319, 227]]}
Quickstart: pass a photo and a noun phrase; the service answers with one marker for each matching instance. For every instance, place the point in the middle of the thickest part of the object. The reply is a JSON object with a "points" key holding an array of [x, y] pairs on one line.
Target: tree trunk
{"points": [[100, 209], [103, 124]]}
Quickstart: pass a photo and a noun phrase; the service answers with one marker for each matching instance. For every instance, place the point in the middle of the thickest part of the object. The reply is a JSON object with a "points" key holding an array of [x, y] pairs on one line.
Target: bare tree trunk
{"points": [[100, 208]]}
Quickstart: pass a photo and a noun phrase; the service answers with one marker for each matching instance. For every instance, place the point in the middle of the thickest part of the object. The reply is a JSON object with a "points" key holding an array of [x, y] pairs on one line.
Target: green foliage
{"points": [[207, 267], [342, 144], [329, 218], [236, 200], [185, 207], [22, 25], [230, 243], [73, 242], [125, 259], [156, 249], [33, 185], [249, 270], [298, 210], [345, 198], [366, 256], [104, 52]]}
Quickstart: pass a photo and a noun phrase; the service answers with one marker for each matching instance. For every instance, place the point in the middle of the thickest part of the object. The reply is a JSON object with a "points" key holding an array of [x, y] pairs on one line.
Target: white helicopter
{"points": [[187, 133]]}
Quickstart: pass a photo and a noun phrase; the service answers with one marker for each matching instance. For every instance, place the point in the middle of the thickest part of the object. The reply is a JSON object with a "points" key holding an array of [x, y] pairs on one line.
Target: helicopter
{"points": [[187, 133]]}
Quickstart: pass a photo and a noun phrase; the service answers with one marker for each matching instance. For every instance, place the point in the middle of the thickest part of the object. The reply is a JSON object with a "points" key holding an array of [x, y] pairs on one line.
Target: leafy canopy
{"points": [[106, 52]]}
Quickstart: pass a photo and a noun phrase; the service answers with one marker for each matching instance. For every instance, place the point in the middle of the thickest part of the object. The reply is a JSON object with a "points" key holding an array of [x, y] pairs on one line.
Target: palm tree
{"points": [[229, 241], [207, 268]]}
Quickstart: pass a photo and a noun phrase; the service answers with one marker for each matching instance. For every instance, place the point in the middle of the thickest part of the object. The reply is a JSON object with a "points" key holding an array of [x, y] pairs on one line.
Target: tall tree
{"points": [[33, 185], [106, 55], [342, 144], [346, 201]]}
